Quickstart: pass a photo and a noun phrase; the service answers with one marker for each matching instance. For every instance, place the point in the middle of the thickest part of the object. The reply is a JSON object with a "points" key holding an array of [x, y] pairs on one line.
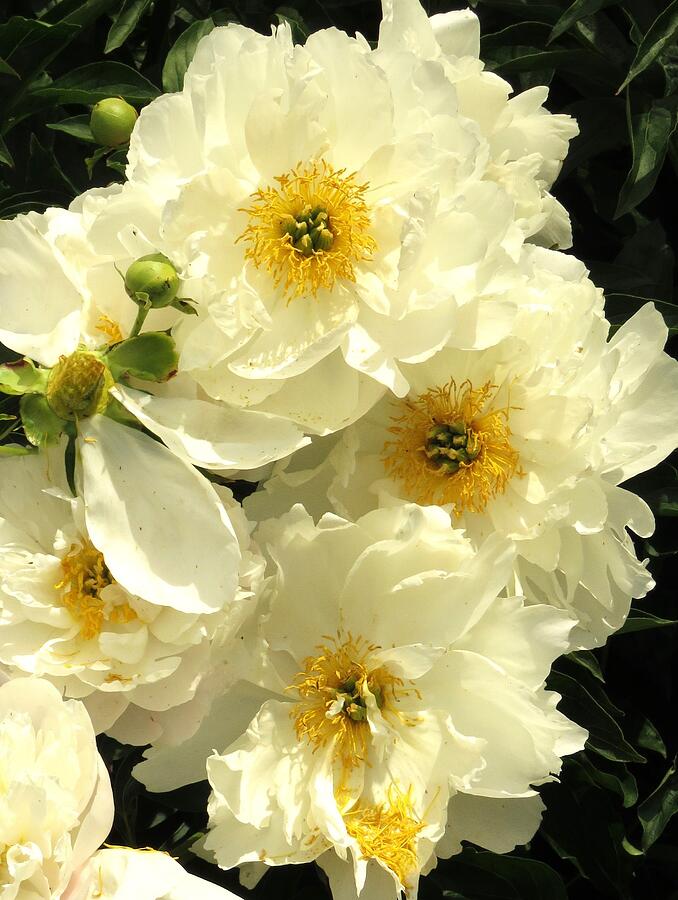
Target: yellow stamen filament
{"points": [[310, 230], [109, 328], [85, 575], [388, 832], [336, 690], [452, 445]]}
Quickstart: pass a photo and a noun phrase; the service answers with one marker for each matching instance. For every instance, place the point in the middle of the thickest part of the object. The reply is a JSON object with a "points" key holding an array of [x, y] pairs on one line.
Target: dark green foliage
{"points": [[610, 829]]}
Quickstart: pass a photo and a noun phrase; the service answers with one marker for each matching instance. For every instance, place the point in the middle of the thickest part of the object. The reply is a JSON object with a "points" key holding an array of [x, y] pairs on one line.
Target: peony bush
{"points": [[329, 471]]}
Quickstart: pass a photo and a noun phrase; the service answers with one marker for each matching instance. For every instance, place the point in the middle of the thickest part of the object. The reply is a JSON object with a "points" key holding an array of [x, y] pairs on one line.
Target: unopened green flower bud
{"points": [[112, 121], [152, 279], [78, 386]]}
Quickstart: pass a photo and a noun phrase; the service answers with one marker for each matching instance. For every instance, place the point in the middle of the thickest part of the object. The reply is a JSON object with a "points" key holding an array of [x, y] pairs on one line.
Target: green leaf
{"points": [[125, 22], [44, 169], [96, 81], [151, 356], [650, 739], [78, 12], [118, 161], [479, 875], [620, 307], [6, 69], [579, 10], [583, 824], [22, 378], [28, 45], [658, 36], [583, 63], [75, 126], [605, 736], [181, 54], [643, 621], [41, 425], [650, 134], [6, 158], [602, 127], [662, 804], [588, 661], [620, 782], [293, 18], [91, 161]]}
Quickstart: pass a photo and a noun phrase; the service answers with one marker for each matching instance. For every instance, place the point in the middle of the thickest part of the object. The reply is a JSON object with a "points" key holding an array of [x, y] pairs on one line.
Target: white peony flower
{"points": [[104, 605], [120, 873], [530, 439], [83, 254], [56, 805], [405, 684], [338, 212]]}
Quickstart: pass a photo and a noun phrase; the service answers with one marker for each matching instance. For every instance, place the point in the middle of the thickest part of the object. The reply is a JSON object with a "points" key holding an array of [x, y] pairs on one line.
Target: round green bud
{"points": [[153, 277], [112, 121]]}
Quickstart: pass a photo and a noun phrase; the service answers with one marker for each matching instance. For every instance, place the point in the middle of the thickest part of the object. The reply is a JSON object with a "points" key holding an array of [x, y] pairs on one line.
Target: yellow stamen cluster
{"points": [[335, 692], [110, 329], [85, 575], [310, 230], [388, 832], [452, 445]]}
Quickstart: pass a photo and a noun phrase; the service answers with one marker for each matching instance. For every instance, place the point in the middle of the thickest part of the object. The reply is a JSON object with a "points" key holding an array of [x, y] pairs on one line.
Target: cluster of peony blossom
{"points": [[332, 272]]}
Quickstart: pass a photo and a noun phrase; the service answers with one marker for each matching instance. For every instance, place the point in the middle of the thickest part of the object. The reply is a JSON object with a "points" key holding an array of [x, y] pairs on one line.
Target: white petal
{"points": [[159, 524], [211, 435]]}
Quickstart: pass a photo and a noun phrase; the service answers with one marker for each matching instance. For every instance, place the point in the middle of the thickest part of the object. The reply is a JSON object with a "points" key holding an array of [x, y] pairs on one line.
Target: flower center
{"points": [[388, 832], [310, 230], [452, 445], [78, 386], [337, 691], [85, 575]]}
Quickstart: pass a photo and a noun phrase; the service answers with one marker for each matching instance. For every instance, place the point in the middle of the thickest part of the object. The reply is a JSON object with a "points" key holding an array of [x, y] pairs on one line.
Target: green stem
{"points": [[139, 321]]}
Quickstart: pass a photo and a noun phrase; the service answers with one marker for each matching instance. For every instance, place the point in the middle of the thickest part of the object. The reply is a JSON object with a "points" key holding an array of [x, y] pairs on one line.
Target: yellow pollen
{"points": [[388, 832], [336, 690], [451, 445], [310, 230], [110, 328], [85, 575]]}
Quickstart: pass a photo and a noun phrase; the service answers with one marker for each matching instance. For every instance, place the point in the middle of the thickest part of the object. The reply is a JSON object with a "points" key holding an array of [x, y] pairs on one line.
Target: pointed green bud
{"points": [[305, 244], [324, 240], [288, 224], [357, 713], [78, 386], [153, 280], [112, 122]]}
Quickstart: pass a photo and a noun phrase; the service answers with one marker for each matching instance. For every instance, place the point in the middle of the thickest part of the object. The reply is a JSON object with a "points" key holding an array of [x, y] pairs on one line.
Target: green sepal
{"points": [[142, 299], [185, 305], [151, 356], [41, 424], [120, 414], [70, 455], [23, 377], [15, 450]]}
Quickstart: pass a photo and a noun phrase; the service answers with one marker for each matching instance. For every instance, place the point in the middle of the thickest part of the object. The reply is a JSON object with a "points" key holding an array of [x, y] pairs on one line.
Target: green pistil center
{"points": [[309, 230], [355, 706], [448, 446], [78, 386]]}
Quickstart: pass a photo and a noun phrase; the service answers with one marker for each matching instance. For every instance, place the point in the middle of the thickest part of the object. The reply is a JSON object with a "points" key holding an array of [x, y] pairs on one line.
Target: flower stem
{"points": [[139, 321]]}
